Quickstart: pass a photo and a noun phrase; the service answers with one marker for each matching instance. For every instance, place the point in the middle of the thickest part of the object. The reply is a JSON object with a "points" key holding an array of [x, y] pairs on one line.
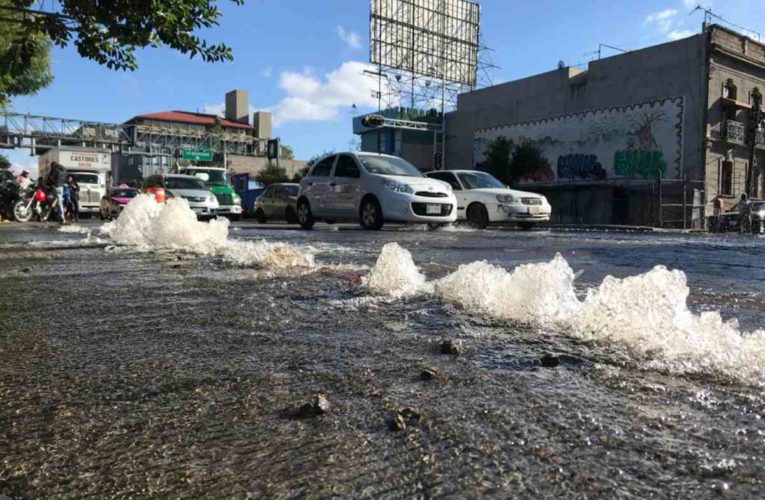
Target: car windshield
{"points": [[291, 190], [218, 177], [184, 183], [124, 193], [252, 185], [758, 206], [387, 165], [85, 178], [479, 180]]}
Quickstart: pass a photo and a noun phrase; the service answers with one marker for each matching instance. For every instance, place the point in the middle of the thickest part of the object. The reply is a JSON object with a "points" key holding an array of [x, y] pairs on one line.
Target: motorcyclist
{"points": [[56, 179]]}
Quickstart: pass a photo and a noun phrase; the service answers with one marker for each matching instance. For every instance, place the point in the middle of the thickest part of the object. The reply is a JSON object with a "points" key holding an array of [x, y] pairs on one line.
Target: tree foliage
{"points": [[287, 152], [109, 31], [527, 158], [4, 163], [24, 57], [271, 174], [509, 162], [498, 154]]}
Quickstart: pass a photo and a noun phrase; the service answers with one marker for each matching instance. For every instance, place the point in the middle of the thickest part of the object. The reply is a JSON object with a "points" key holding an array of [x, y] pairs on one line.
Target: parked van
{"points": [[90, 168]]}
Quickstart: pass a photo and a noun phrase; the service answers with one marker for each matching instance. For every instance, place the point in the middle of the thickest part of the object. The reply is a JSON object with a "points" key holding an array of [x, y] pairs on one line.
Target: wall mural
{"points": [[637, 141]]}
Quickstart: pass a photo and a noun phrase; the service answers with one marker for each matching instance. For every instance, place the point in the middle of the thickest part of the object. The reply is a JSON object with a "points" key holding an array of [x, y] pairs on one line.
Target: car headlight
{"points": [[505, 198], [398, 187]]}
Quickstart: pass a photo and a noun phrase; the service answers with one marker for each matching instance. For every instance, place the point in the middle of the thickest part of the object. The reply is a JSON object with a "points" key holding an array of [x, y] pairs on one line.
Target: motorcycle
{"points": [[36, 204]]}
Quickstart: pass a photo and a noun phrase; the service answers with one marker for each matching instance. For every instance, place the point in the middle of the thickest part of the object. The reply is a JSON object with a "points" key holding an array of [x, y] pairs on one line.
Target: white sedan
{"points": [[482, 199], [372, 188]]}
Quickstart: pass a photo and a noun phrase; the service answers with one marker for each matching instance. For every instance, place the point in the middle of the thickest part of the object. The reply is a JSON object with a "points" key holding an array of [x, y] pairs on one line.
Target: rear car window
{"points": [[323, 168]]}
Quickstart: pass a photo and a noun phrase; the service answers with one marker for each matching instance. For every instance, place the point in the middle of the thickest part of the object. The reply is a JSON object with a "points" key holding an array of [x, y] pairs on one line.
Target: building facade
{"points": [[648, 137]]}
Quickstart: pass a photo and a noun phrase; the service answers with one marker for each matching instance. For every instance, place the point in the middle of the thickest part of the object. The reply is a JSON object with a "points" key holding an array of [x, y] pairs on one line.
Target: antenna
{"points": [[709, 15]]}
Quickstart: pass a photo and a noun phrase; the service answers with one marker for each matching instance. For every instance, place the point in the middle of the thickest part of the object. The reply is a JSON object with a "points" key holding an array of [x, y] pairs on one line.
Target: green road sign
{"points": [[201, 154]]}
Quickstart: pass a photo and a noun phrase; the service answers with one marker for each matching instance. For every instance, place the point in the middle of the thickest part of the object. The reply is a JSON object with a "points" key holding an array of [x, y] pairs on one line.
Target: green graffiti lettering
{"points": [[639, 162]]}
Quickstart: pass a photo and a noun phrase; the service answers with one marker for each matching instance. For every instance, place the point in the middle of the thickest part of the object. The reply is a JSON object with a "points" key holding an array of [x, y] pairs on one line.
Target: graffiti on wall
{"points": [[638, 141]]}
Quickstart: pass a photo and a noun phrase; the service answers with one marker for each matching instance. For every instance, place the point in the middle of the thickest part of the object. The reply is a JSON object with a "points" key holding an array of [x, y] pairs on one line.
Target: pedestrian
{"points": [[56, 179], [744, 214], [23, 180], [716, 214], [74, 194]]}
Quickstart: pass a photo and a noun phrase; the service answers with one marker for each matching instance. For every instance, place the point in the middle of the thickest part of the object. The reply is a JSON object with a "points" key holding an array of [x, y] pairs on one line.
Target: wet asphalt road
{"points": [[166, 374]]}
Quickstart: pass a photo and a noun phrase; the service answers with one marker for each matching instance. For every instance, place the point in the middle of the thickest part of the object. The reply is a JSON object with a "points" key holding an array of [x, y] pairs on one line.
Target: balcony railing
{"points": [[735, 132]]}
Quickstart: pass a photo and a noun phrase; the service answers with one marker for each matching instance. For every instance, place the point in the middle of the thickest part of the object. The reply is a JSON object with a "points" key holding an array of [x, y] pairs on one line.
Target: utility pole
{"points": [[751, 177]]}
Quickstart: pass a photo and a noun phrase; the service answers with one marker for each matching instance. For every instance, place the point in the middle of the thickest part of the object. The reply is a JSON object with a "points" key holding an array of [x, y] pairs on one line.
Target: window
{"points": [[346, 167], [291, 190], [184, 183], [479, 180], [726, 178], [324, 167], [389, 165], [729, 90], [446, 177], [268, 192], [85, 178]]}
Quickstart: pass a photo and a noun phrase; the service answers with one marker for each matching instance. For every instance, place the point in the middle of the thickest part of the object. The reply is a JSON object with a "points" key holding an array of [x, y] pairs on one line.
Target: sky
{"points": [[303, 60]]}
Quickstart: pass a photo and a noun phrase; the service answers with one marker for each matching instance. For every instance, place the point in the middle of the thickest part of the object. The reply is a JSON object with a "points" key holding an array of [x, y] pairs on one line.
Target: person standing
{"points": [[74, 193], [745, 214], [56, 179], [716, 214], [23, 180]]}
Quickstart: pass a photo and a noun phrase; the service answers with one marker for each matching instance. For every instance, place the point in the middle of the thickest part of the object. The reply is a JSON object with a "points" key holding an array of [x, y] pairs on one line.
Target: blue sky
{"points": [[303, 60]]}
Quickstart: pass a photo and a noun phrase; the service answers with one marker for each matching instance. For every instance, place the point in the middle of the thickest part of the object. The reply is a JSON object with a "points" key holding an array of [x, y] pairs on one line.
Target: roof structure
{"points": [[192, 118]]}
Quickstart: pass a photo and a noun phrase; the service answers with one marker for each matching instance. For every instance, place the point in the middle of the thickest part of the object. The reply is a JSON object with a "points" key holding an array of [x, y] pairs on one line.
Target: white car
{"points": [[482, 199], [372, 188], [201, 200]]}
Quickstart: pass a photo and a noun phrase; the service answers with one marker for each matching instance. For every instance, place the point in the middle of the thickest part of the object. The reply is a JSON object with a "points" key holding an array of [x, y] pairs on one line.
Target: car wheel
{"points": [[526, 226], [477, 216], [290, 215], [260, 216], [370, 214], [304, 215]]}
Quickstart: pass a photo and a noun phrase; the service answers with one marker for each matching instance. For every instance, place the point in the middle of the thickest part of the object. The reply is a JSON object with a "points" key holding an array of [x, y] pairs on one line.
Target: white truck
{"points": [[91, 169]]}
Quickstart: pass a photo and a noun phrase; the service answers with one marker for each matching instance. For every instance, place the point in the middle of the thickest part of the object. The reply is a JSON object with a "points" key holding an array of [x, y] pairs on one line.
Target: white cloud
{"points": [[678, 34], [351, 39], [214, 109], [310, 98], [663, 20]]}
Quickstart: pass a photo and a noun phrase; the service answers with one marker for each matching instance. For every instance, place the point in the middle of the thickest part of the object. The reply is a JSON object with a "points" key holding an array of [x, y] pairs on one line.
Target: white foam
{"points": [[149, 225], [74, 229], [531, 293], [395, 273], [647, 315]]}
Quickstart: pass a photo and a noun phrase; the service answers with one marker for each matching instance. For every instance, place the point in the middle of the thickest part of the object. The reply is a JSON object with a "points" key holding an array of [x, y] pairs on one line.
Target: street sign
{"points": [[201, 154]]}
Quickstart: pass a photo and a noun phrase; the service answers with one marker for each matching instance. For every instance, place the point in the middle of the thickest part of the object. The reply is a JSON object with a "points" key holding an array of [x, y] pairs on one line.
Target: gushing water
{"points": [[647, 314], [147, 224], [395, 274]]}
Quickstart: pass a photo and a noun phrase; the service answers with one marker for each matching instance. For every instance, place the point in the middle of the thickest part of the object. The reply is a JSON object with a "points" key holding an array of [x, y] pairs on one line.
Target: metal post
{"points": [[661, 203], [685, 202], [751, 169]]}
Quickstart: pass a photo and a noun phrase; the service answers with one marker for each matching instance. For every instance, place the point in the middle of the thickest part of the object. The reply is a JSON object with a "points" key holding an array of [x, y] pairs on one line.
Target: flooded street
{"points": [[134, 369]]}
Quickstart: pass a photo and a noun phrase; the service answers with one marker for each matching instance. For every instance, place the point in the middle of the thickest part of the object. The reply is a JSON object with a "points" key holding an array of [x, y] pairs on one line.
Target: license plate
{"points": [[433, 210], [533, 210]]}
